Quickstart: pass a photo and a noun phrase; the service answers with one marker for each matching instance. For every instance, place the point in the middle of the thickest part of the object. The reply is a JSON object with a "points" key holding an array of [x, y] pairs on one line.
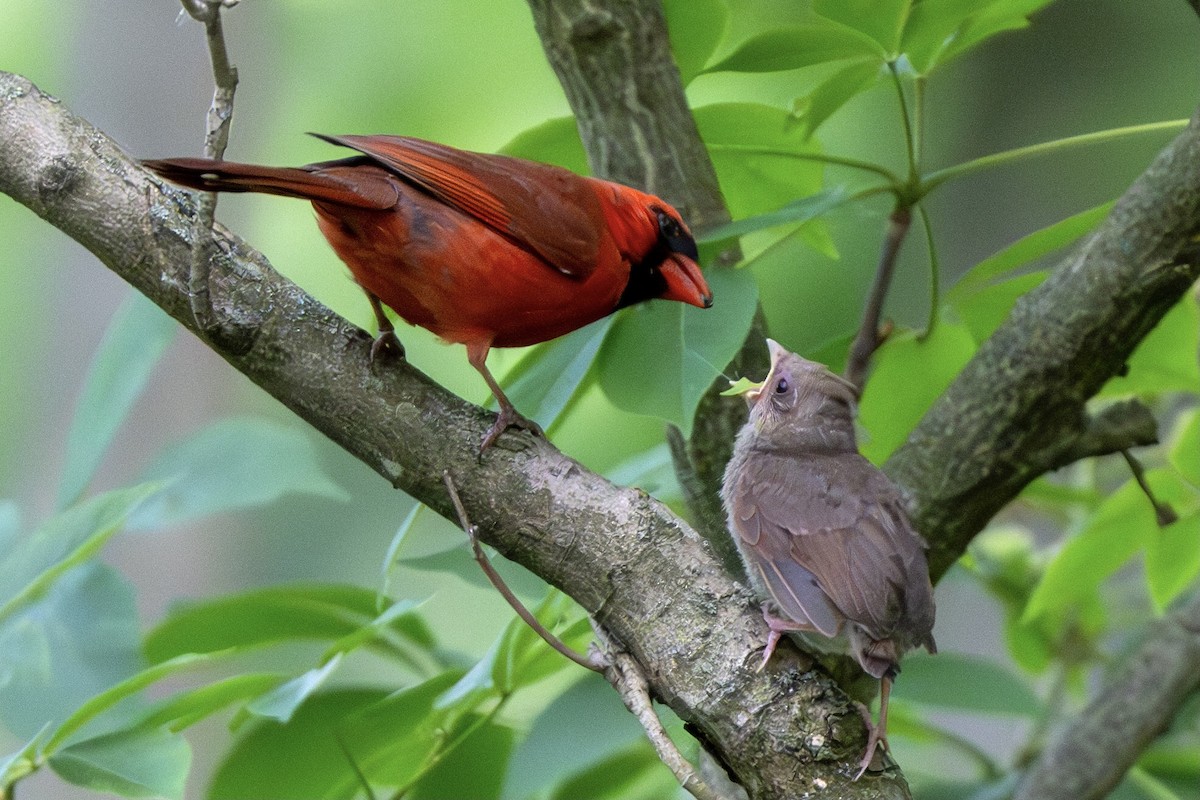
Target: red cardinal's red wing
{"points": [[550, 210]]}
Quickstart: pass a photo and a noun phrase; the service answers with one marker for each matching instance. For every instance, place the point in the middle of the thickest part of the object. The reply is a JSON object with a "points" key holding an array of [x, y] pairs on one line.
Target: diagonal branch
{"points": [[1019, 408], [644, 575]]}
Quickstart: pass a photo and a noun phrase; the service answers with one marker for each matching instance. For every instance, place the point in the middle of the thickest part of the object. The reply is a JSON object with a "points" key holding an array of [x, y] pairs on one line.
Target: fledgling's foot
{"points": [[386, 345]]}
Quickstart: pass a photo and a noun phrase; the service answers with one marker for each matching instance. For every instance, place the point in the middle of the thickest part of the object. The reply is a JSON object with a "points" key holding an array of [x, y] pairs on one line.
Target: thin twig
{"points": [[868, 338], [1163, 513], [627, 678], [472, 532], [216, 138]]}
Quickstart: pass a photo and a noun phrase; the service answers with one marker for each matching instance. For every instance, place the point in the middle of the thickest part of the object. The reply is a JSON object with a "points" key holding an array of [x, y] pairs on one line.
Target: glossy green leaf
{"points": [[238, 462], [798, 211], [998, 17], [939, 30], [1185, 446], [634, 773], [1173, 559], [143, 763], [882, 20], [63, 542], [660, 358], [555, 141], [281, 702], [798, 46], [984, 310], [302, 760], [186, 708], [78, 639], [474, 769], [275, 614], [553, 751], [1121, 527], [1165, 360], [967, 683], [133, 344], [552, 375], [1027, 250], [893, 402], [740, 387], [834, 92], [695, 28]]}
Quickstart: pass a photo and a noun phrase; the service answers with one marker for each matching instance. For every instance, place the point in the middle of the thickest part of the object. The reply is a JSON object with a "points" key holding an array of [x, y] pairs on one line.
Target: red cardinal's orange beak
{"points": [[685, 282]]}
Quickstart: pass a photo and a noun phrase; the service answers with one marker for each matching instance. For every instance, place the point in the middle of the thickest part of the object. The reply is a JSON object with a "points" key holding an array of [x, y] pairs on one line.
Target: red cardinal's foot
{"points": [[508, 417], [386, 345]]}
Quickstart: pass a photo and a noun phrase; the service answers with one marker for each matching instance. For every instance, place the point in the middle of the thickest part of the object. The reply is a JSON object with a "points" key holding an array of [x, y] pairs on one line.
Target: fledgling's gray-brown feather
{"points": [[822, 531]]}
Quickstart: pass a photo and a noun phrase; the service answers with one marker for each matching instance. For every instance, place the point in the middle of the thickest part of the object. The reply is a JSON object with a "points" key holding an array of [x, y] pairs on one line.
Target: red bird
{"points": [[486, 250]]}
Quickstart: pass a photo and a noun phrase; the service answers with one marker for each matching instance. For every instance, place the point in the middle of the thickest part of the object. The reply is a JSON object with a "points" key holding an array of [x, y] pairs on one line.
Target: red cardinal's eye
{"points": [[782, 386]]}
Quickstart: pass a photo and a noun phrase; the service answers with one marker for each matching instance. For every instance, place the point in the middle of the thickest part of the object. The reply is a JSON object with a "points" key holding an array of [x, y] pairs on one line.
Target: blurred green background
{"points": [[471, 73]]}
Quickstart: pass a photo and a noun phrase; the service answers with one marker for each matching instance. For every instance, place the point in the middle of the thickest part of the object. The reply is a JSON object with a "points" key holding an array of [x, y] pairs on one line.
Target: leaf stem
{"points": [[825, 158], [938, 177], [906, 119], [935, 289]]}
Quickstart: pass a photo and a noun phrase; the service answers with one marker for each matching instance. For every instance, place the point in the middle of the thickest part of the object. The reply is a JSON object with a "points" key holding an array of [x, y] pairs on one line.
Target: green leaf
{"points": [[20, 763], [967, 683], [187, 708], [1026, 250], [882, 20], [234, 463], [107, 699], [634, 773], [798, 46], [553, 751], [145, 763], [133, 344], [740, 387], [275, 614], [798, 211], [1121, 526], [304, 759], [834, 92], [939, 30], [893, 402], [762, 157], [474, 769], [281, 702], [551, 376], [1185, 448], [78, 639], [984, 310], [63, 542], [555, 141], [660, 358], [1173, 559], [1165, 361], [695, 28]]}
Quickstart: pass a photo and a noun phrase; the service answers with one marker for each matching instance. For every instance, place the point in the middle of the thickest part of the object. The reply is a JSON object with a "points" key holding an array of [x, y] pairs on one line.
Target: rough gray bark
{"points": [[644, 574]]}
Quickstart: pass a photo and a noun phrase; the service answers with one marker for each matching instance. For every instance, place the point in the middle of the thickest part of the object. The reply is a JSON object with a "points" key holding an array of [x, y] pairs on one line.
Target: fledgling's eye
{"points": [[782, 386]]}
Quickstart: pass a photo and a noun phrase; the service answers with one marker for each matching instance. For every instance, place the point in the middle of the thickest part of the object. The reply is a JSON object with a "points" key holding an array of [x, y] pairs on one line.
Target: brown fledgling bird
{"points": [[486, 250], [822, 531]]}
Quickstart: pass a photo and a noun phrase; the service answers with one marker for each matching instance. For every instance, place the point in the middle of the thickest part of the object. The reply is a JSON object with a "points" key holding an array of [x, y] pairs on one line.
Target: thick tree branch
{"points": [[1091, 756], [646, 577], [1018, 409], [614, 61]]}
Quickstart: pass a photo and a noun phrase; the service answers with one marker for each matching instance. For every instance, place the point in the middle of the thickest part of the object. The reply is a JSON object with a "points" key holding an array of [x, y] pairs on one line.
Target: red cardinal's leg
{"points": [[508, 417], [386, 341]]}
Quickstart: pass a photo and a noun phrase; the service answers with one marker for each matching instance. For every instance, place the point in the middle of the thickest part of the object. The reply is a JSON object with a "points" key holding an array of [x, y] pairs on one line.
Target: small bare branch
{"points": [[1163, 513], [869, 336], [216, 139], [494, 578]]}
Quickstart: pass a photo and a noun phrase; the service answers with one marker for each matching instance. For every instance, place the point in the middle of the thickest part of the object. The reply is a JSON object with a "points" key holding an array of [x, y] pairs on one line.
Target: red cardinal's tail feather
{"points": [[320, 185]]}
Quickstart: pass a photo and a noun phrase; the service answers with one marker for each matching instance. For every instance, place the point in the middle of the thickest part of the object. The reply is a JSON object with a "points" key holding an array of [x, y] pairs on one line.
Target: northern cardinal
{"points": [[486, 250], [822, 531]]}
